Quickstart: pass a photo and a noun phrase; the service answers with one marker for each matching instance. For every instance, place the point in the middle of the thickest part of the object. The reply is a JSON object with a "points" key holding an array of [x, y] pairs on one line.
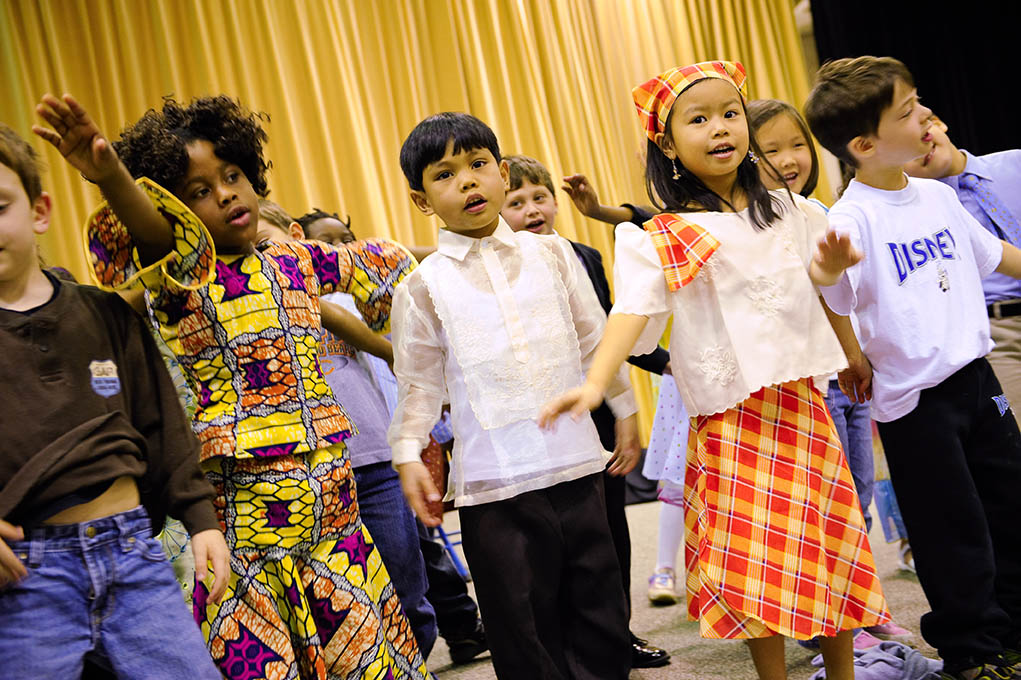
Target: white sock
{"points": [[671, 529]]}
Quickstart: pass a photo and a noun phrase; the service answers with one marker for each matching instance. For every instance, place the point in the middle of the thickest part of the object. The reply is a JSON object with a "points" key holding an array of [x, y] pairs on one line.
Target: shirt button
{"points": [[44, 348], [90, 532]]}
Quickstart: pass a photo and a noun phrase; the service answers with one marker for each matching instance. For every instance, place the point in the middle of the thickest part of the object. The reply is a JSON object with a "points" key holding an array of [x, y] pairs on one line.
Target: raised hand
{"points": [[77, 137], [583, 194], [833, 255]]}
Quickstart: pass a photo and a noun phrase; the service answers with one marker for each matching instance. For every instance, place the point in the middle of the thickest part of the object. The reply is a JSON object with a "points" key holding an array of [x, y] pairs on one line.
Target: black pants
{"points": [[955, 463], [616, 489], [548, 583]]}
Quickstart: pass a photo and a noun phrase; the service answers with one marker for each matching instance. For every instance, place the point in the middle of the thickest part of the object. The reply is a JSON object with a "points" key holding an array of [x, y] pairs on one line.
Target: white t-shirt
{"points": [[750, 318], [918, 292]]}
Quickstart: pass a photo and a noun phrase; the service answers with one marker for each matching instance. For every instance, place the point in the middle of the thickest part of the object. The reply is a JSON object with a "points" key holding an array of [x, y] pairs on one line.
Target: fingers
{"points": [[419, 491], [221, 570], [11, 568], [549, 413], [198, 551]]}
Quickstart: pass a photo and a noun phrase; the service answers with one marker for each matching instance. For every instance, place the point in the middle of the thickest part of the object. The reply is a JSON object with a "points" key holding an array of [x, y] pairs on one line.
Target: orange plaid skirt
{"points": [[775, 540]]}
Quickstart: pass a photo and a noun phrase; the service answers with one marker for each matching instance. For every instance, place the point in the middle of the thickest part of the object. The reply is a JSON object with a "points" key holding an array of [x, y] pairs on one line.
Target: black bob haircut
{"points": [[428, 142], [156, 145]]}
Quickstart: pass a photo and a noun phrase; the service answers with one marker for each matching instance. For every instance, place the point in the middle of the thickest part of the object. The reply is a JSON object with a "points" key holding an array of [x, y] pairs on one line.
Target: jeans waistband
{"points": [[86, 535]]}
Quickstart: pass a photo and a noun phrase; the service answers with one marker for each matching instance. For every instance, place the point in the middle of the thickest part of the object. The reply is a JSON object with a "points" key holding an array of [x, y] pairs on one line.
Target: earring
{"points": [[752, 157], [673, 163]]}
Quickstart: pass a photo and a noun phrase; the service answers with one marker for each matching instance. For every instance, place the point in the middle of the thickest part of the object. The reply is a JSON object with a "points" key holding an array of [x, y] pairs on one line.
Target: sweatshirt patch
{"points": [[105, 381]]}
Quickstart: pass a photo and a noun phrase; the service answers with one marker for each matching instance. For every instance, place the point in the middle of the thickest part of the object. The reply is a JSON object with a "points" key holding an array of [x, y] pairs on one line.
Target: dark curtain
{"points": [[964, 58]]}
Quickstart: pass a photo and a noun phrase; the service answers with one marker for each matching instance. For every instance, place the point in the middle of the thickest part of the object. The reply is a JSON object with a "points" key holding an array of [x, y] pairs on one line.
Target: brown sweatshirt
{"points": [[84, 399]]}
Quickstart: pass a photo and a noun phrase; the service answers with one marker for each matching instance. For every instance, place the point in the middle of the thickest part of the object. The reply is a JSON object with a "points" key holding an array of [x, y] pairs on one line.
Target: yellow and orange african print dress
{"points": [[775, 542], [308, 595]]}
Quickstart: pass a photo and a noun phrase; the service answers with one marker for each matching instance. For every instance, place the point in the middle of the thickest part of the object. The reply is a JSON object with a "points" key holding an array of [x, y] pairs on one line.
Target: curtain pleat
{"points": [[344, 81]]}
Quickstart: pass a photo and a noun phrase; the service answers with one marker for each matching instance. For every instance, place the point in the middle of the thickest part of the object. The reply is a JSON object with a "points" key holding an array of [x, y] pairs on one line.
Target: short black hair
{"points": [[428, 142], [849, 98], [156, 145], [316, 214]]}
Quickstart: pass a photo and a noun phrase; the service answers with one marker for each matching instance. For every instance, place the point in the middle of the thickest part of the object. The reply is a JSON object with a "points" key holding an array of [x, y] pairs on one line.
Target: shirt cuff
{"points": [[407, 450], [623, 405]]}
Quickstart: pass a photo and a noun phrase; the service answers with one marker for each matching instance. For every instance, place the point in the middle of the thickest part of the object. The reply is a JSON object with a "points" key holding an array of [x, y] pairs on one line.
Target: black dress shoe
{"points": [[644, 655]]}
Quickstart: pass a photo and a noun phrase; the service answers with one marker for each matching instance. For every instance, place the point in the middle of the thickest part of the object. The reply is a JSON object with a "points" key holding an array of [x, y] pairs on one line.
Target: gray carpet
{"points": [[669, 628]]}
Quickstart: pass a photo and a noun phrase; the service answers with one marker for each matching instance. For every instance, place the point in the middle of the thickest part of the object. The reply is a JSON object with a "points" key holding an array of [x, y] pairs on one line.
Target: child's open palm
{"points": [[77, 137], [833, 255]]}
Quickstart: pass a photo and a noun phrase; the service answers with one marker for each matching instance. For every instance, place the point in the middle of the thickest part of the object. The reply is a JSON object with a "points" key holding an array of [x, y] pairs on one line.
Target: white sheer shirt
{"points": [[497, 326], [751, 317]]}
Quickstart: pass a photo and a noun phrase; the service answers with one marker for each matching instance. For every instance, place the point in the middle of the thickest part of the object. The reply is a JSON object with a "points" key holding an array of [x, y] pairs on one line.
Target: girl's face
{"points": [[221, 195], [784, 145], [708, 133]]}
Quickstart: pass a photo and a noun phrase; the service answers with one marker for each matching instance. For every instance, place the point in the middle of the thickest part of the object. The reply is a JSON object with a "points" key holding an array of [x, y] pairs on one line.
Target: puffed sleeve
{"points": [[639, 284], [369, 270], [190, 265]]}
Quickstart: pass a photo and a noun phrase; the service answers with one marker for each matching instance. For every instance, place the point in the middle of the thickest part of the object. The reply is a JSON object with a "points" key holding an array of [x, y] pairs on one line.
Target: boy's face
{"points": [[20, 222], [903, 133], [271, 233], [465, 190], [532, 207], [330, 230], [222, 197], [941, 159]]}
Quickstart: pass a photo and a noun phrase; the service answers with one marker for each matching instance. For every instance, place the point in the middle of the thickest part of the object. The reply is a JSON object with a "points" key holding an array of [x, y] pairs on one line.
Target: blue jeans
{"points": [[391, 524], [855, 429], [101, 589]]}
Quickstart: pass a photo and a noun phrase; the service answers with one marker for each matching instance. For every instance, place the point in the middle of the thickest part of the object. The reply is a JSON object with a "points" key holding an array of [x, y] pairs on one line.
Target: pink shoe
{"points": [[889, 631], [864, 640]]}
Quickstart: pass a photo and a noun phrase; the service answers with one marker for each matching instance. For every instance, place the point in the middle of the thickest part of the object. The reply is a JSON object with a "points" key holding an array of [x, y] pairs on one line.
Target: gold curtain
{"points": [[344, 81]]}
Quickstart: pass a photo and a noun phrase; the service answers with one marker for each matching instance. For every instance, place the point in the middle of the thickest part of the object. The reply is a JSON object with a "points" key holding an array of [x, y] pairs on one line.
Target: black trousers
{"points": [[616, 489], [955, 463], [548, 584]]}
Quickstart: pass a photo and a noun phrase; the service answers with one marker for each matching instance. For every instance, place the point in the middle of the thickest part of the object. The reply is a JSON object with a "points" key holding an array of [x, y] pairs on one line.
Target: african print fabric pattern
{"points": [[775, 540], [245, 334], [309, 596]]}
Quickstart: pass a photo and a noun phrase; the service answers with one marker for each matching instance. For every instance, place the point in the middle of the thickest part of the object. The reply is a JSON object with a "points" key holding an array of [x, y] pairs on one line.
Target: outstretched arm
{"points": [[583, 194], [350, 328], [835, 253], [78, 139], [1010, 263]]}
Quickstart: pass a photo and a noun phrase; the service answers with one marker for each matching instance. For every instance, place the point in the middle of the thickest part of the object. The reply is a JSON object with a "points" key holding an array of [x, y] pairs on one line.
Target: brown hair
{"points": [[526, 168], [761, 111], [19, 156], [274, 214], [848, 99]]}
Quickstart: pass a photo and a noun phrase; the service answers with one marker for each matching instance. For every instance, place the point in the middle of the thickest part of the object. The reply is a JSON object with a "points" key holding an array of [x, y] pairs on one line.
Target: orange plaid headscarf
{"points": [[654, 98]]}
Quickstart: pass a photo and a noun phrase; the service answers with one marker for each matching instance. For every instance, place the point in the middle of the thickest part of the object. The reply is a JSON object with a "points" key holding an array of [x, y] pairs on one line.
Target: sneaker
{"points": [[983, 672], [864, 640], [463, 650], [662, 587], [906, 563], [889, 631]]}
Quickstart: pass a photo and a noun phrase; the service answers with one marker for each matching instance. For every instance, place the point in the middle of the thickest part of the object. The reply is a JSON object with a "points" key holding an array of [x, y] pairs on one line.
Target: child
{"points": [[94, 433], [531, 205], [786, 144], [354, 379], [954, 452], [776, 544], [308, 594], [500, 322], [988, 188]]}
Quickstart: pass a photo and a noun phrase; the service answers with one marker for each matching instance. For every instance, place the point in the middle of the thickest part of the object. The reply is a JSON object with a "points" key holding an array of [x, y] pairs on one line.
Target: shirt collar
{"points": [[973, 165], [457, 246]]}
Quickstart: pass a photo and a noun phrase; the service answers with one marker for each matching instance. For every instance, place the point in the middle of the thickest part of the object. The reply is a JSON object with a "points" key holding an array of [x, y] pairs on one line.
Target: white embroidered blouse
{"points": [[750, 318], [497, 326]]}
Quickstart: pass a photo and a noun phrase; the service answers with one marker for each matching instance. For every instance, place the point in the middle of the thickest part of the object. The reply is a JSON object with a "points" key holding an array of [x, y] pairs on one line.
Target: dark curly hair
{"points": [[156, 145]]}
